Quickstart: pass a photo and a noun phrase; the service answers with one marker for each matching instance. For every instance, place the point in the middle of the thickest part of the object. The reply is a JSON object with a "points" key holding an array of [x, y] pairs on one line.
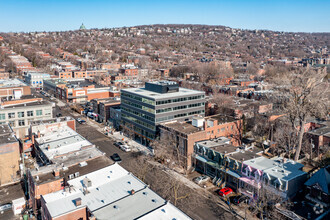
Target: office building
{"points": [[144, 108]]}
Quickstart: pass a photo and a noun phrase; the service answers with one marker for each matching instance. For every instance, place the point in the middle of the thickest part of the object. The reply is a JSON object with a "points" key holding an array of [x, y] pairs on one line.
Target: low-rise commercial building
{"points": [[36, 80], [102, 107], [108, 193], [78, 90], [19, 113], [13, 89], [61, 154]]}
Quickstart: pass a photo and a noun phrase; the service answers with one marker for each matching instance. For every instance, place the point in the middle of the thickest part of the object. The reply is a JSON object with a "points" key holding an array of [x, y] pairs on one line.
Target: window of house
{"points": [[20, 114], [218, 131], [21, 123], [39, 112], [223, 129], [29, 113], [11, 115], [2, 116], [12, 123]]}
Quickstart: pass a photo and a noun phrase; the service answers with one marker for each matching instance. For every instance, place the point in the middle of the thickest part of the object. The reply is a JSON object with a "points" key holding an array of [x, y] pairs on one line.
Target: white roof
{"points": [[155, 96], [108, 185], [166, 212], [59, 141], [131, 207]]}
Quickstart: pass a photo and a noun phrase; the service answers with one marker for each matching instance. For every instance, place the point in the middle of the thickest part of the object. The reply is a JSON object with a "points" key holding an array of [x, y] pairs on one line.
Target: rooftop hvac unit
{"points": [[71, 176], [76, 174]]}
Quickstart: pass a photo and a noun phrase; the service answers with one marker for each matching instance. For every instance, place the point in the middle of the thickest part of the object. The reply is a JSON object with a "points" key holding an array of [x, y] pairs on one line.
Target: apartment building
{"points": [[19, 113], [199, 128], [13, 89], [129, 70], [143, 109], [9, 156], [222, 161], [278, 176]]}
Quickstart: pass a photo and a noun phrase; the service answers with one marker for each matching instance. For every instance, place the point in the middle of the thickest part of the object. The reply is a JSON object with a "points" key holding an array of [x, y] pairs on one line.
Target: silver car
{"points": [[201, 179], [5, 207]]}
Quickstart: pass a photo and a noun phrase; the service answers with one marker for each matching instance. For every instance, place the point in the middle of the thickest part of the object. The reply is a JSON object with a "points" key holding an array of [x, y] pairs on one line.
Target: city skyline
{"points": [[292, 16]]}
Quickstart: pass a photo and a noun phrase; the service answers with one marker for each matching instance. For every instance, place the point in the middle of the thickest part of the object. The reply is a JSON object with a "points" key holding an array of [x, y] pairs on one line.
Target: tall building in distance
{"points": [[144, 108]]}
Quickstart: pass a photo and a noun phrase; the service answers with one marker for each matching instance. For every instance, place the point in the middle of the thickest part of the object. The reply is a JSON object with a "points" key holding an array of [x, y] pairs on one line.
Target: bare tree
{"points": [[168, 151], [308, 97]]}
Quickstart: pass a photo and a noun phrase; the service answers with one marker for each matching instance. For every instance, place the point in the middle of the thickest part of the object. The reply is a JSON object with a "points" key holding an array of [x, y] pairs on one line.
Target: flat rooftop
{"points": [[183, 92], [182, 127], [6, 135], [27, 104], [246, 154], [222, 119], [45, 173], [220, 145], [107, 185], [166, 212], [55, 142], [260, 163], [285, 170], [11, 83], [131, 207]]}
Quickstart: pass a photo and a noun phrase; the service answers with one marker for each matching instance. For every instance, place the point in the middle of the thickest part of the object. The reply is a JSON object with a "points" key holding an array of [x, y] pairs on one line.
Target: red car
{"points": [[225, 191]]}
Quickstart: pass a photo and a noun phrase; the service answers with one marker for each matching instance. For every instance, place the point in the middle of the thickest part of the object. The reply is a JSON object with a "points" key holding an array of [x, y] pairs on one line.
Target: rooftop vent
{"points": [[77, 201], [87, 182]]}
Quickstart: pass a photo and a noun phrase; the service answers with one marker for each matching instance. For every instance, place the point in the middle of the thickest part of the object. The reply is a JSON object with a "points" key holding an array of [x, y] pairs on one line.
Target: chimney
{"points": [[56, 173], [132, 192]]}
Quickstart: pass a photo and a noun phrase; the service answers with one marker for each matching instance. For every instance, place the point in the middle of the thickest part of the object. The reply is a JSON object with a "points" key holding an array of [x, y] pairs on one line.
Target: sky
{"points": [[62, 15]]}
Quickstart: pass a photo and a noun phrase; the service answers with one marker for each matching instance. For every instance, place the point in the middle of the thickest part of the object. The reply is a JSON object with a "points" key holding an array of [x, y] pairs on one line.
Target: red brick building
{"points": [[187, 133]]}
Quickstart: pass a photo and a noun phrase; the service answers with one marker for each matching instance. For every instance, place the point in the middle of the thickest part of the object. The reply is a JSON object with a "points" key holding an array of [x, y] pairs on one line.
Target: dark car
{"points": [[59, 115], [118, 144], [237, 200], [115, 157]]}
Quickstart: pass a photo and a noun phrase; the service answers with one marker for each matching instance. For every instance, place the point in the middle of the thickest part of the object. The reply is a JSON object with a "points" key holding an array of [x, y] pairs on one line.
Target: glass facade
{"points": [[142, 114]]}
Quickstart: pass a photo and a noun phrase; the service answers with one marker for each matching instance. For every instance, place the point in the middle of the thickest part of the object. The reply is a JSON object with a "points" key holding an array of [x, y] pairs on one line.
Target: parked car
{"points": [[115, 157], [118, 144], [225, 191], [80, 121], [201, 179], [5, 207], [59, 115], [237, 200], [125, 147]]}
